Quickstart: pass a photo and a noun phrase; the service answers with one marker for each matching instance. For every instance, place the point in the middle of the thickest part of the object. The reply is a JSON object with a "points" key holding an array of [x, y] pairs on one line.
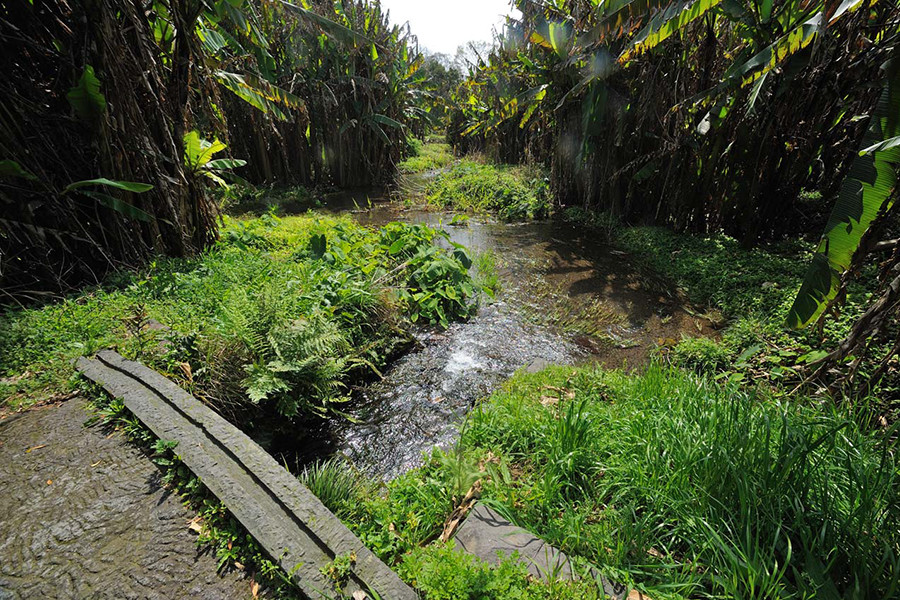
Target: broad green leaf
{"points": [[259, 93], [225, 163], [118, 205], [883, 145], [198, 152], [86, 100], [212, 40], [868, 190], [130, 186], [385, 120], [10, 168]]}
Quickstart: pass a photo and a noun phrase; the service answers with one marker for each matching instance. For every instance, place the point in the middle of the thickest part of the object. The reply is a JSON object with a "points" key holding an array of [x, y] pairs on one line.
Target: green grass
{"points": [[510, 192], [486, 275], [280, 315], [427, 157], [682, 486], [246, 199], [751, 290]]}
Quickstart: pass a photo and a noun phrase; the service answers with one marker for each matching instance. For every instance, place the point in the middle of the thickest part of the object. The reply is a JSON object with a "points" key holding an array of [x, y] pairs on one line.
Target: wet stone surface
{"points": [[86, 516]]}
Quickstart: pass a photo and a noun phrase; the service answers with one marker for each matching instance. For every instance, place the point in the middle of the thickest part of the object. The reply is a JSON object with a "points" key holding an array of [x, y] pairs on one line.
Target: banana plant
{"points": [[869, 191], [198, 158]]}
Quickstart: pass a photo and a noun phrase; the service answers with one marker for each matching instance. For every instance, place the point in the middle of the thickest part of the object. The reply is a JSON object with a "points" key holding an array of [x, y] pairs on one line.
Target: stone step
{"points": [[293, 526], [490, 537]]}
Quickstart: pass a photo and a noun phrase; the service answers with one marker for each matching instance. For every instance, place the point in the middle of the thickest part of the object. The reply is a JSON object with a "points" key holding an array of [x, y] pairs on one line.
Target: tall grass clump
{"points": [[684, 485], [336, 483], [511, 192], [426, 157]]}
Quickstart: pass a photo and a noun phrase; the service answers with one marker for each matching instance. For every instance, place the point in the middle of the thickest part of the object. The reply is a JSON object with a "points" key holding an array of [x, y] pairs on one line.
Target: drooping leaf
{"points": [[868, 190], [665, 23], [225, 163], [333, 29], [616, 16], [85, 97], [385, 120], [118, 205], [130, 186], [10, 168], [259, 93], [882, 145]]}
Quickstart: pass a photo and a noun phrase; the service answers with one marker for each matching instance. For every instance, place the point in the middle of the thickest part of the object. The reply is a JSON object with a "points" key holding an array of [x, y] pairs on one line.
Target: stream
{"points": [[565, 299]]}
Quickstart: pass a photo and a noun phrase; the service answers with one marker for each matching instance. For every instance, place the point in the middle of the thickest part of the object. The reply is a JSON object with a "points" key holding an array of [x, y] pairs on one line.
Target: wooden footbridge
{"points": [[293, 526]]}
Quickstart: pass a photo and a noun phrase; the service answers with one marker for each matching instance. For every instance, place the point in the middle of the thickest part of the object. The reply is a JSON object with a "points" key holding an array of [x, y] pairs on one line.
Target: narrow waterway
{"points": [[566, 298]]}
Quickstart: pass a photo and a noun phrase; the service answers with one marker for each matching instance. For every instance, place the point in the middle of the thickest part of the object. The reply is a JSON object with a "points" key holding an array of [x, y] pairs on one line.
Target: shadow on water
{"points": [[567, 299]]}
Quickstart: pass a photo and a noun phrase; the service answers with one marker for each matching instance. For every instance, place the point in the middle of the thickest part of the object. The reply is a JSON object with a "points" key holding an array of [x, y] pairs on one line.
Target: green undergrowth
{"points": [[427, 157], [510, 192], [747, 291], [753, 289], [401, 521], [682, 486], [277, 318], [247, 199]]}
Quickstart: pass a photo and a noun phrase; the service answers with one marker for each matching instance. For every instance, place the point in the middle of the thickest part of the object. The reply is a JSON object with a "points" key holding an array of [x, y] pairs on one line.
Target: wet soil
{"points": [[83, 514]]}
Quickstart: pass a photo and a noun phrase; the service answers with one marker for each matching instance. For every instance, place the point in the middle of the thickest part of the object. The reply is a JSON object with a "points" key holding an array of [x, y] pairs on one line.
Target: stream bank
{"points": [[565, 299]]}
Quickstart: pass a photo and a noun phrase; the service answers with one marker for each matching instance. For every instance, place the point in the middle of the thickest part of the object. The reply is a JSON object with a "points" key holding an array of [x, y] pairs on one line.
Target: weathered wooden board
{"points": [[294, 527]]}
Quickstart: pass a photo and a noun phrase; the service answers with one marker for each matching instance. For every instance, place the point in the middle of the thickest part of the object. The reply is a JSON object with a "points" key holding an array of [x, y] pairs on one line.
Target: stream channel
{"points": [[565, 298]]}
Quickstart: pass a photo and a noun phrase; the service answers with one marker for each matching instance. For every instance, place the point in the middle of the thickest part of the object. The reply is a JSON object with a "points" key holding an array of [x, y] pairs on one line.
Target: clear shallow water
{"points": [[566, 299]]}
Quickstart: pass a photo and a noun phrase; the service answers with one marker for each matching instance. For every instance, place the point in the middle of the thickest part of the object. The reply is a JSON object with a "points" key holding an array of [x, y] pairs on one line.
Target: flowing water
{"points": [[566, 299]]}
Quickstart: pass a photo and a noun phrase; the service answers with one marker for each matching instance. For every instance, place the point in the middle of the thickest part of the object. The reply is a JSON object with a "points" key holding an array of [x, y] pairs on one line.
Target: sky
{"points": [[441, 26]]}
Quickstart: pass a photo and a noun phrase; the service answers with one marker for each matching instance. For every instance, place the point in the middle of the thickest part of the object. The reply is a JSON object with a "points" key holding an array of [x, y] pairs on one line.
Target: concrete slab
{"points": [[490, 537]]}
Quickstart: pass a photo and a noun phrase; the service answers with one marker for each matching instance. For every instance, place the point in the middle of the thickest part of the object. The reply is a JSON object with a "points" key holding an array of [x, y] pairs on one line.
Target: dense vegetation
{"points": [[114, 113], [743, 153], [689, 488], [742, 118], [276, 318]]}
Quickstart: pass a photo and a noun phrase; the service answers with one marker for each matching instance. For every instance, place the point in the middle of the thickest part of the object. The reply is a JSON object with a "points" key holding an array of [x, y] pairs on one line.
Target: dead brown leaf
{"points": [[186, 369], [562, 392], [254, 589], [460, 512], [360, 595], [33, 448], [196, 524]]}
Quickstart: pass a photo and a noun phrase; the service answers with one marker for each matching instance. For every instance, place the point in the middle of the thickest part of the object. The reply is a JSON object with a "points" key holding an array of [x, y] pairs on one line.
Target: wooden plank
{"points": [[294, 527]]}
